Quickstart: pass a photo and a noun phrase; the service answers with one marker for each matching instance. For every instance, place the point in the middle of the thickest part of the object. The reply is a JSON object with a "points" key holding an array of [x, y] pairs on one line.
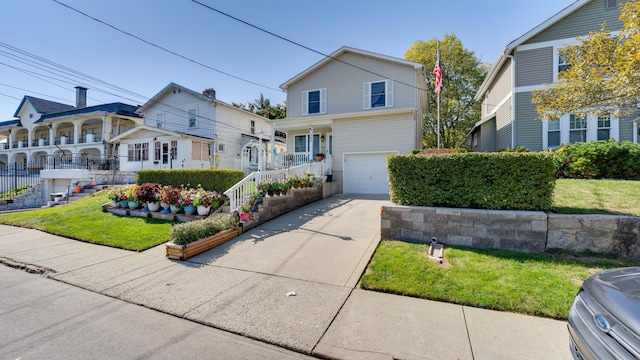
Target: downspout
{"points": [[513, 100]]}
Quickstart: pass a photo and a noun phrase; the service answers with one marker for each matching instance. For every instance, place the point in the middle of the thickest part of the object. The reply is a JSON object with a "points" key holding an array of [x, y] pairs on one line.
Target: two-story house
{"points": [[46, 132], [509, 118], [355, 107], [183, 128]]}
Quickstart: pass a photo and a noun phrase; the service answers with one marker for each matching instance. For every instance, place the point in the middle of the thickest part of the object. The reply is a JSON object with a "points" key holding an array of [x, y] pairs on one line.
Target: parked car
{"points": [[604, 319]]}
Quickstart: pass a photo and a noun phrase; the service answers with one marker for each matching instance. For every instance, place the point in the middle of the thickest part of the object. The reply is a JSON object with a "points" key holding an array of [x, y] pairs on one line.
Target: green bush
{"points": [[191, 231], [499, 181], [213, 180], [604, 159]]}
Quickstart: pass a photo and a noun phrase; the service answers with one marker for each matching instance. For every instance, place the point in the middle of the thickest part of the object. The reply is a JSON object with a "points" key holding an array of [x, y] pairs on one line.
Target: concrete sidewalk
{"points": [[318, 252]]}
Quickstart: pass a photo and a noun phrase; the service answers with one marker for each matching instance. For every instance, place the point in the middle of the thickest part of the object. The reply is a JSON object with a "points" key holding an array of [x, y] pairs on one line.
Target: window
{"points": [[563, 65], [604, 127], [174, 149], [157, 151], [192, 115], [577, 129], [160, 121], [475, 139], [378, 94], [553, 133], [301, 143], [200, 151], [611, 4], [221, 147], [138, 152], [253, 126], [314, 102]]}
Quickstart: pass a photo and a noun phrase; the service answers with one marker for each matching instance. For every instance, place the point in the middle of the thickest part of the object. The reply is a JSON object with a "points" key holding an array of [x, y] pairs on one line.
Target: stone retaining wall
{"points": [[528, 231]]}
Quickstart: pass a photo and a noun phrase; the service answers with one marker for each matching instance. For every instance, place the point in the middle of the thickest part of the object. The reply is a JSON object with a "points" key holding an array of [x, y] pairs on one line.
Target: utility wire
{"points": [[13, 97], [163, 48], [33, 92], [301, 45]]}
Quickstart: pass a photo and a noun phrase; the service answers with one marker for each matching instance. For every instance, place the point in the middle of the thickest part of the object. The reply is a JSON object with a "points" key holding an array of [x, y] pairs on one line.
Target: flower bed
{"points": [[192, 238]]}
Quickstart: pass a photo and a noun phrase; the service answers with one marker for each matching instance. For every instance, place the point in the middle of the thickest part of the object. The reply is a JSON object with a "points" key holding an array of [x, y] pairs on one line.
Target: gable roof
{"points": [[113, 108], [333, 57], [10, 123], [43, 106], [160, 131], [166, 90], [508, 50]]}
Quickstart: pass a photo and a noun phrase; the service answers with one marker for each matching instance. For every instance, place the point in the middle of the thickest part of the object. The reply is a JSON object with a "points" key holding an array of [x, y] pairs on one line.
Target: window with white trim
{"points": [[192, 115], [253, 126], [611, 4], [553, 133], [200, 150], [157, 153], [221, 148], [301, 143], [314, 102], [577, 129], [604, 127], [160, 121], [174, 149], [378, 94], [138, 152]]}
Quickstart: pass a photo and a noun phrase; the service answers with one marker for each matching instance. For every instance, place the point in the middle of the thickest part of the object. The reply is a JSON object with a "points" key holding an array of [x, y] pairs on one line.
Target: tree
{"points": [[462, 75], [262, 106], [604, 73]]}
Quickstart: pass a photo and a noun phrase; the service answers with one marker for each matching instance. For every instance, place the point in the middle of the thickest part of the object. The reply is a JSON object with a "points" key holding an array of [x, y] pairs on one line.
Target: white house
{"points": [[187, 129], [355, 107]]}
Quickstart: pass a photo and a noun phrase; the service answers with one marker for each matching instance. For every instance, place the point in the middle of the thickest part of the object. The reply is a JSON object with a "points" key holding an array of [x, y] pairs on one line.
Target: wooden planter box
{"points": [[183, 252]]}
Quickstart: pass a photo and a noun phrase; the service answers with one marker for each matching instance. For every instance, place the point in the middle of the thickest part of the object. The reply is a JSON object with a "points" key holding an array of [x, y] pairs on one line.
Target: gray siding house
{"points": [[509, 118], [356, 107]]}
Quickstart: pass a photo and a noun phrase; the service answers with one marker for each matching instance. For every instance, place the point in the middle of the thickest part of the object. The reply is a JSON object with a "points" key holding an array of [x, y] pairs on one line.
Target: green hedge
{"points": [[604, 159], [499, 181], [209, 179]]}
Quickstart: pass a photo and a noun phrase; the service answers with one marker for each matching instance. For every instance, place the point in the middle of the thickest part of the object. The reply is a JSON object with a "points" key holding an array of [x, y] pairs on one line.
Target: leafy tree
{"points": [[604, 72], [463, 73], [262, 106]]}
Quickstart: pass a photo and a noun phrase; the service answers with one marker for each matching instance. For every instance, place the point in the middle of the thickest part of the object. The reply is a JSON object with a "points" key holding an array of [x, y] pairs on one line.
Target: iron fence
{"points": [[15, 178]]}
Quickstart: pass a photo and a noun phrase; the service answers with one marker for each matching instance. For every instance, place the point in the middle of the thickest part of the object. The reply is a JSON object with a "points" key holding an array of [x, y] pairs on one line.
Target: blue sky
{"points": [[58, 34]]}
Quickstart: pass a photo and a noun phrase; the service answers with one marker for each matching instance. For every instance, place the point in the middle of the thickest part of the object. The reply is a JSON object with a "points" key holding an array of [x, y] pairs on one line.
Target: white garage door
{"points": [[365, 174]]}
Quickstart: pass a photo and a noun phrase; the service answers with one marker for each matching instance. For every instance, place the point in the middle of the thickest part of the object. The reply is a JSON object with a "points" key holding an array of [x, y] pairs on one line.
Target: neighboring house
{"points": [[509, 118], [187, 129], [47, 132], [356, 107]]}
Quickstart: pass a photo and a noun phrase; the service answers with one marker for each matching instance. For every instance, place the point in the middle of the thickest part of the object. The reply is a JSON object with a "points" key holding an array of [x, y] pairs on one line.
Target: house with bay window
{"points": [[183, 128], [509, 118], [355, 107]]}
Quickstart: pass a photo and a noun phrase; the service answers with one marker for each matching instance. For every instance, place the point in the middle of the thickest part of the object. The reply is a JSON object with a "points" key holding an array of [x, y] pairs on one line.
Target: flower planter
{"points": [[133, 204], [153, 206], [183, 252], [190, 209], [203, 210], [244, 216], [124, 203], [115, 204], [174, 209]]}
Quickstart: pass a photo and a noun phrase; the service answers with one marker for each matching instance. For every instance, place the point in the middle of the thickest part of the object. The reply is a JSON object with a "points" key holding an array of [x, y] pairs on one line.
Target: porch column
{"points": [[52, 133], [273, 147], [310, 149], [76, 132]]}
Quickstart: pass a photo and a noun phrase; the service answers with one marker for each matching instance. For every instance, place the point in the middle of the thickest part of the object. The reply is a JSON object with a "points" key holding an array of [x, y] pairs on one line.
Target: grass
{"points": [[84, 220], [617, 197], [535, 284]]}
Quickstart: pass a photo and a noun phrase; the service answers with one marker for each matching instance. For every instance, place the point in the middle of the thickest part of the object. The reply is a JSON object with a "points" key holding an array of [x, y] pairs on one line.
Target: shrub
{"points": [[604, 159], [191, 231], [507, 181], [210, 179], [440, 151]]}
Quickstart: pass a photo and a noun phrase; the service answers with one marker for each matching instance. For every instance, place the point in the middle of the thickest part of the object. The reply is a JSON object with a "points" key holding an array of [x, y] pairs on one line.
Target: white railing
{"points": [[285, 160], [239, 193]]}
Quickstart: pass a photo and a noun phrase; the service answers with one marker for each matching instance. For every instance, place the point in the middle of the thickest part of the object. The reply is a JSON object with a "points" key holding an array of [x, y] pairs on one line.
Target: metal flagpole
{"points": [[437, 72]]}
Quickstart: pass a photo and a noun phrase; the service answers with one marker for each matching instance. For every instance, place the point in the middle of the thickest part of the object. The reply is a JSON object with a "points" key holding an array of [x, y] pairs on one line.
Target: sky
{"points": [[46, 48]]}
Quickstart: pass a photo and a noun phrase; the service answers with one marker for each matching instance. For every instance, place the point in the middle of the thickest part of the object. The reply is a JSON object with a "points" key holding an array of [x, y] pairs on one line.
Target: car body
{"points": [[604, 319]]}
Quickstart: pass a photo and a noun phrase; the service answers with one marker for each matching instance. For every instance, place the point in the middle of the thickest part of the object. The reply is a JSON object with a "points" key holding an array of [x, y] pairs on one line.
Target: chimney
{"points": [[81, 97], [209, 93]]}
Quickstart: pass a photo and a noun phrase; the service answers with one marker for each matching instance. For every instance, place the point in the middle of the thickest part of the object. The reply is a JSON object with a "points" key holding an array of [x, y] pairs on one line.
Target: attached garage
{"points": [[366, 173]]}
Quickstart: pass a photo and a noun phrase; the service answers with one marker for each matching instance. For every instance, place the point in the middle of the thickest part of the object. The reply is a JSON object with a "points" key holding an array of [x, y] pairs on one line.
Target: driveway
{"points": [[328, 242]]}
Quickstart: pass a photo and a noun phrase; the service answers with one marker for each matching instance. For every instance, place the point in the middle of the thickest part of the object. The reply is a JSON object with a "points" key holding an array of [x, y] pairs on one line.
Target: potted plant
{"points": [[284, 187], [149, 194], [132, 197], [245, 212], [171, 196], [204, 200], [186, 201], [116, 194]]}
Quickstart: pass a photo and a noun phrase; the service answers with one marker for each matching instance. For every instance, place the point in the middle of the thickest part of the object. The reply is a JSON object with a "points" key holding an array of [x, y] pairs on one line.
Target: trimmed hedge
{"points": [[604, 159], [498, 181], [210, 179]]}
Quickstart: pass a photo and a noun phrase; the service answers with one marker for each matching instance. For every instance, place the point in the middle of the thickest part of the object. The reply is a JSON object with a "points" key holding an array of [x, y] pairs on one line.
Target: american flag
{"points": [[437, 72]]}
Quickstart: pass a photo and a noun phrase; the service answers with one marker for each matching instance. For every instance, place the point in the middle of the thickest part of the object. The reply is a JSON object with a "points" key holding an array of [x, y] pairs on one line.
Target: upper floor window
{"points": [[563, 64], [577, 129], [160, 120], [611, 4], [193, 116], [253, 126], [378, 94], [604, 127], [314, 102]]}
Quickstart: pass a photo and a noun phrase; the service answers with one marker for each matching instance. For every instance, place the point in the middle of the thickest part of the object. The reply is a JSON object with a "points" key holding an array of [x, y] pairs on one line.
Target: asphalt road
{"points": [[41, 318]]}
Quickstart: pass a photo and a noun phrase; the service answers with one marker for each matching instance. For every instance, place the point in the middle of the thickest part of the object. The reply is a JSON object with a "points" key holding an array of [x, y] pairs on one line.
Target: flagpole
{"points": [[438, 120], [438, 86]]}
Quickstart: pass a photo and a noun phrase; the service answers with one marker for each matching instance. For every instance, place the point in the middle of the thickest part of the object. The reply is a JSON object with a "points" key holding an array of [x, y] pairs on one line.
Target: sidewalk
{"points": [[318, 252]]}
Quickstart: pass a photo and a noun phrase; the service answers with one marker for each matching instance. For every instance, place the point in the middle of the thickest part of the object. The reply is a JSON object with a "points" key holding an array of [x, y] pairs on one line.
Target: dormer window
{"points": [[30, 116], [314, 102], [378, 94]]}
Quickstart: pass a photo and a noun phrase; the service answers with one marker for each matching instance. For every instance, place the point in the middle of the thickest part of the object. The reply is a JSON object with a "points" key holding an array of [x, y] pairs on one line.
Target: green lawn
{"points": [[535, 284], [84, 220], [573, 196]]}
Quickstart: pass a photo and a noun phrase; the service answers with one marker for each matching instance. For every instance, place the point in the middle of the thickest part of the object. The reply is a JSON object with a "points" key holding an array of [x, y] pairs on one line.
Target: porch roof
{"points": [[112, 108]]}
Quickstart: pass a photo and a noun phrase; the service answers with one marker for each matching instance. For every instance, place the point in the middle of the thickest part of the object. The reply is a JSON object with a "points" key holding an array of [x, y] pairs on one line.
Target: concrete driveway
{"points": [[328, 242]]}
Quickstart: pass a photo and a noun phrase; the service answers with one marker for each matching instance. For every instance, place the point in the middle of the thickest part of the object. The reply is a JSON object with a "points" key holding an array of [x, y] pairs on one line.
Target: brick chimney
{"points": [[81, 97], [211, 93]]}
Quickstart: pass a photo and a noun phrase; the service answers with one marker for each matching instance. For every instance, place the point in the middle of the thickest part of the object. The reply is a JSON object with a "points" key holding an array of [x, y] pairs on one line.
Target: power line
{"points": [[301, 45], [163, 48], [34, 92], [13, 97]]}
